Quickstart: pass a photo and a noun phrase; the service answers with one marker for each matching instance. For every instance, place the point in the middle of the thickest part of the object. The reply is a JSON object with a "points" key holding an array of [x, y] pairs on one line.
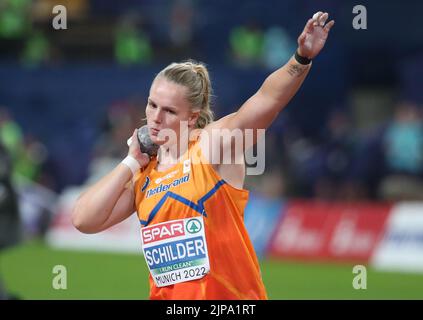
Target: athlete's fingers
{"points": [[309, 26], [323, 18], [329, 25], [144, 157], [316, 17], [132, 138]]}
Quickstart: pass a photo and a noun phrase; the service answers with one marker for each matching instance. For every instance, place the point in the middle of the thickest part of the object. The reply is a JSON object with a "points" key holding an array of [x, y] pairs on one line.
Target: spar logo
{"points": [[162, 231], [193, 226]]}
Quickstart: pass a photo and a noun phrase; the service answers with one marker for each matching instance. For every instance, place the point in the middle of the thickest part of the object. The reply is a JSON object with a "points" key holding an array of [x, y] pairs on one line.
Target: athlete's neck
{"points": [[171, 155]]}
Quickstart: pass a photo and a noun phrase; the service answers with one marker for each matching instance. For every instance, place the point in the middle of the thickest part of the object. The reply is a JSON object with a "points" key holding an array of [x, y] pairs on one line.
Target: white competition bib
{"points": [[176, 251]]}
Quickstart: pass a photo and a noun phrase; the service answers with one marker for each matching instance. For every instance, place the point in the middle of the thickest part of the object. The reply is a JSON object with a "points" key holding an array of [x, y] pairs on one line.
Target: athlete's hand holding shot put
{"points": [[202, 204], [110, 200]]}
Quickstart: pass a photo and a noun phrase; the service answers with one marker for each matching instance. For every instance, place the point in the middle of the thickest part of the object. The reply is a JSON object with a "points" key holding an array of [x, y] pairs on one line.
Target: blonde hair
{"points": [[195, 77]]}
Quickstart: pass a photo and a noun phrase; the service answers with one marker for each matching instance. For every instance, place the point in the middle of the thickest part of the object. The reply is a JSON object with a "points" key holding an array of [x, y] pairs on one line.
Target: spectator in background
{"points": [[11, 135], [14, 20], [10, 232], [335, 157], [32, 158], [277, 48], [299, 160], [403, 151], [321, 168], [26, 152], [132, 45], [36, 49], [120, 118], [181, 28], [9, 214], [246, 44], [29, 175]]}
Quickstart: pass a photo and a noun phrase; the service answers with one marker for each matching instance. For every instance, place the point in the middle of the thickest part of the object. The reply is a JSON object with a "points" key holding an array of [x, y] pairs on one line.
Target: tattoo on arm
{"points": [[296, 70]]}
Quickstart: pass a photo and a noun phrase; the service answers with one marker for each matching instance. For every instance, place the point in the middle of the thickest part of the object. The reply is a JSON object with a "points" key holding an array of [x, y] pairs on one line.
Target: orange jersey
{"points": [[192, 188]]}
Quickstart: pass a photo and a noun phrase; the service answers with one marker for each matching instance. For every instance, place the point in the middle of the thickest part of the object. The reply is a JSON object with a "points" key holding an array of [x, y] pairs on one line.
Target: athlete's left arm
{"points": [[259, 111]]}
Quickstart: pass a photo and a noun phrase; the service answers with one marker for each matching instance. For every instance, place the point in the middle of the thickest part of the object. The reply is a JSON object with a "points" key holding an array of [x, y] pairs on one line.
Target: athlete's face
{"points": [[167, 107]]}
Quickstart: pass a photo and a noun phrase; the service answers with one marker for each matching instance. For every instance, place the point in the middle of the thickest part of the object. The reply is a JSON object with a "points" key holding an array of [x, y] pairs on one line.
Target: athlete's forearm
{"points": [[284, 83], [95, 205], [277, 90]]}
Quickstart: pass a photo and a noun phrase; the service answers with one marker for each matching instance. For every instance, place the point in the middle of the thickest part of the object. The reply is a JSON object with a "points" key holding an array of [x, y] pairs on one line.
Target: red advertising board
{"points": [[329, 231]]}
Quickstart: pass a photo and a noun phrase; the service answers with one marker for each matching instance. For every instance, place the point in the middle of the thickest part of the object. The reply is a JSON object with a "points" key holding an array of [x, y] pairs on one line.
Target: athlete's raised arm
{"points": [[261, 109]]}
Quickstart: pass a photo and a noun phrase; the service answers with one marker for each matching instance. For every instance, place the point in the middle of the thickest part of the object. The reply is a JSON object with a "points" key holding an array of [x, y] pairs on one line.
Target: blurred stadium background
{"points": [[343, 184]]}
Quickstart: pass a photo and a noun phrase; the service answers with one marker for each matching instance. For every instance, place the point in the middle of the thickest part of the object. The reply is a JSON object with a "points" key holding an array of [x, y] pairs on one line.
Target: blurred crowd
{"points": [[27, 153], [25, 179], [383, 162], [346, 163], [137, 36]]}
